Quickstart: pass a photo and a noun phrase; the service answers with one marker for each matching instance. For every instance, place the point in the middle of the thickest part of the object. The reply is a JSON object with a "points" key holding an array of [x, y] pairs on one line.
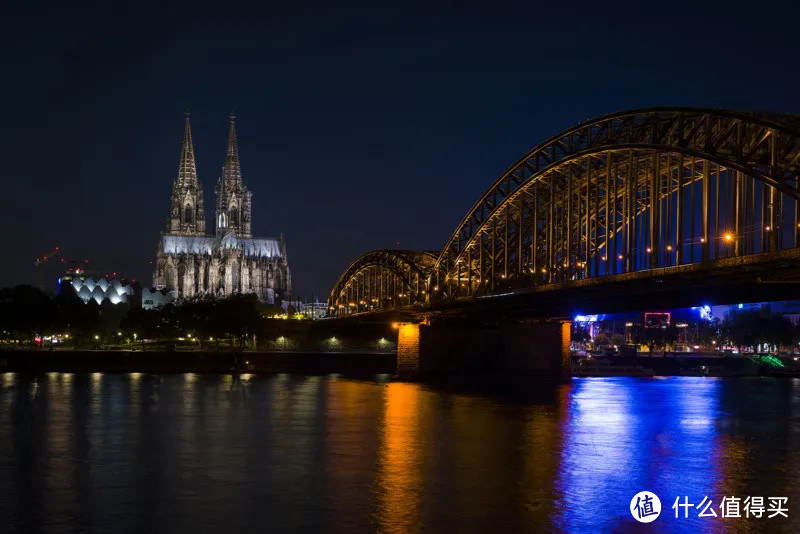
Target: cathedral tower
{"points": [[186, 214], [233, 198], [191, 263]]}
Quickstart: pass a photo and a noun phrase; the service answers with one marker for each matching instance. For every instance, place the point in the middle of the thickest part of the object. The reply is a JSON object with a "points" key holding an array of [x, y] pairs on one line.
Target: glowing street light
{"points": [[728, 237]]}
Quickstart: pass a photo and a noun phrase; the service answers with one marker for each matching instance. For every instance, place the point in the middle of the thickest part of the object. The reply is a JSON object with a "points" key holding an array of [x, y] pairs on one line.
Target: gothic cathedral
{"points": [[190, 262]]}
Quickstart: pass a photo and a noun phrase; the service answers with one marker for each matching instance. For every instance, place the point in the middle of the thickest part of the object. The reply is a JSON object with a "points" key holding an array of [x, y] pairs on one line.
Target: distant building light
{"points": [[656, 319]]}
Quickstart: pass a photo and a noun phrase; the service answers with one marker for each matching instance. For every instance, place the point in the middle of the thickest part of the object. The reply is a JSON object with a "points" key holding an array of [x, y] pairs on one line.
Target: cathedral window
{"points": [[187, 214], [169, 280], [234, 216]]}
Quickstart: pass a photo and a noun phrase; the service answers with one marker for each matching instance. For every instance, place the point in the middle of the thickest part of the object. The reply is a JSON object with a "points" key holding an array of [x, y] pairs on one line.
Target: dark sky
{"points": [[358, 128]]}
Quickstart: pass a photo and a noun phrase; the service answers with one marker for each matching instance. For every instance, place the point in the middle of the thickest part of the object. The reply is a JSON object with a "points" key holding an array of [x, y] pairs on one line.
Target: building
{"points": [[114, 290], [154, 298], [191, 262], [315, 309]]}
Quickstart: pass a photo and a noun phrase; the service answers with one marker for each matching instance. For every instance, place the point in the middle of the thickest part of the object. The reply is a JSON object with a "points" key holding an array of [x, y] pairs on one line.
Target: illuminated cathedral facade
{"points": [[191, 262]]}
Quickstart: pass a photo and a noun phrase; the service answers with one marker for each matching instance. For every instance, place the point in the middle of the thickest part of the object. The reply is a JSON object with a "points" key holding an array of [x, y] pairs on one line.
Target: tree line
{"points": [[752, 330], [27, 313]]}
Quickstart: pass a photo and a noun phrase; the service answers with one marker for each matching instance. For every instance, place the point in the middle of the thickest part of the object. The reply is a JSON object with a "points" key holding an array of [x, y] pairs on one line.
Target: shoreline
{"points": [[360, 363], [676, 364], [301, 362]]}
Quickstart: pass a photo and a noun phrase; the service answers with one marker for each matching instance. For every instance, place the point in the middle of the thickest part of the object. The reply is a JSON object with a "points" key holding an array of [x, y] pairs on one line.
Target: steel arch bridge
{"points": [[383, 279], [630, 192]]}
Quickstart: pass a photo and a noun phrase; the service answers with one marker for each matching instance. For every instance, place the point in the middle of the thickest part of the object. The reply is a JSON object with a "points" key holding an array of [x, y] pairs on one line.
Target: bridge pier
{"points": [[408, 351], [534, 350]]}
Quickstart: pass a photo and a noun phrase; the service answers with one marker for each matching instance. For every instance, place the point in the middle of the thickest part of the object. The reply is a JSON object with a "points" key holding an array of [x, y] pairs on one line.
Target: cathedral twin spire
{"points": [[187, 169], [231, 171], [233, 198], [186, 215]]}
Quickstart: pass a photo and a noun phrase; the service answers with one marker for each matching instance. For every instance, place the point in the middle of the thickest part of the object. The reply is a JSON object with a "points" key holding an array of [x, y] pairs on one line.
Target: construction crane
{"points": [[40, 263]]}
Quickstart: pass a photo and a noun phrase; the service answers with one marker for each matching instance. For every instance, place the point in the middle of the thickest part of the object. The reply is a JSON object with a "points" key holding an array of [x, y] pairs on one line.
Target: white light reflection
{"points": [[9, 379]]}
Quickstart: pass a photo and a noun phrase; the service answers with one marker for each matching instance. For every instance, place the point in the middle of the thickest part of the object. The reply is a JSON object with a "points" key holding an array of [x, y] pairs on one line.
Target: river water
{"points": [[193, 453]]}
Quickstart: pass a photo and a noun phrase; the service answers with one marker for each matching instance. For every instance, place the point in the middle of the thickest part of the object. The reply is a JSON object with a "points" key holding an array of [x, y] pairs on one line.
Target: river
{"points": [[193, 453]]}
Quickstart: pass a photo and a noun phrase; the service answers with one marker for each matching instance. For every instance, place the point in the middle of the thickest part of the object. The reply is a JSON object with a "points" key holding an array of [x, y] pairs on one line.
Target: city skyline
{"points": [[359, 130]]}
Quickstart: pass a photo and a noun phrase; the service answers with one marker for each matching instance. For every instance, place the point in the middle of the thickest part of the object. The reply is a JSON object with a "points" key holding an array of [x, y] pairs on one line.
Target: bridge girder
{"points": [[382, 279], [630, 191]]}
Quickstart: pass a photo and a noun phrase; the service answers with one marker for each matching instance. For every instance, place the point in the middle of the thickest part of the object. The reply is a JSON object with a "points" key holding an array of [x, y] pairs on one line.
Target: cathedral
{"points": [[191, 262]]}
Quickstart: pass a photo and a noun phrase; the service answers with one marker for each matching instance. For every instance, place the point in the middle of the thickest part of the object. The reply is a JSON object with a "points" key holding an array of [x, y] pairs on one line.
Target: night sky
{"points": [[358, 129]]}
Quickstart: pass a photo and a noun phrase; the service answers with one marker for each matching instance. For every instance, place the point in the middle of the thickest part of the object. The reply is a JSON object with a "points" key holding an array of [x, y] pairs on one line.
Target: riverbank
{"points": [[107, 361], [676, 364], [365, 363]]}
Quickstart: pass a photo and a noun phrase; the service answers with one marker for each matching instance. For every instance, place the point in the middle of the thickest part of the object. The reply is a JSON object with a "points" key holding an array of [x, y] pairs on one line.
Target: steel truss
{"points": [[628, 192], [382, 279]]}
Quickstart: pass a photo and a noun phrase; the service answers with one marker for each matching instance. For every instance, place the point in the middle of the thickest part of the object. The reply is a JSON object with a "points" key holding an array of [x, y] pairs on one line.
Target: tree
{"points": [[618, 340], [81, 320], [580, 332], [143, 323], [655, 337], [26, 312], [751, 328], [237, 316], [601, 340]]}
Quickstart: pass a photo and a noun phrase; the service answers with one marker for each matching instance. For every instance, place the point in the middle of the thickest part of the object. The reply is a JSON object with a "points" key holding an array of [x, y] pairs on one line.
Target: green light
{"points": [[771, 360]]}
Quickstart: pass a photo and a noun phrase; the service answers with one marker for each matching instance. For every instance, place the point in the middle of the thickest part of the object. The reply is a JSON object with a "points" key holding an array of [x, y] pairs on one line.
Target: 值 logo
{"points": [[645, 507]]}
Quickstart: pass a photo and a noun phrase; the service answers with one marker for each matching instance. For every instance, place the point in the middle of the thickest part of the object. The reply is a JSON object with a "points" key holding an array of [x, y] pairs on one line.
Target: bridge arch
{"points": [[630, 191], [382, 279]]}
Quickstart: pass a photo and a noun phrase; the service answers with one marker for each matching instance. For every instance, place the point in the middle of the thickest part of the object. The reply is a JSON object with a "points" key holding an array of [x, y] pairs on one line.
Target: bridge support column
{"points": [[516, 350], [538, 349], [408, 353]]}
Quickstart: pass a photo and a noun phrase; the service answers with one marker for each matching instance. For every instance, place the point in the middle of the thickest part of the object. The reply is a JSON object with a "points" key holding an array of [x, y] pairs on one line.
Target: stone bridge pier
{"points": [[518, 349]]}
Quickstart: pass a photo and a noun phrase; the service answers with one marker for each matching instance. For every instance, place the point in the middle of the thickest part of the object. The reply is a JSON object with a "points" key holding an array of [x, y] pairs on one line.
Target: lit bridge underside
{"points": [[661, 190]]}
